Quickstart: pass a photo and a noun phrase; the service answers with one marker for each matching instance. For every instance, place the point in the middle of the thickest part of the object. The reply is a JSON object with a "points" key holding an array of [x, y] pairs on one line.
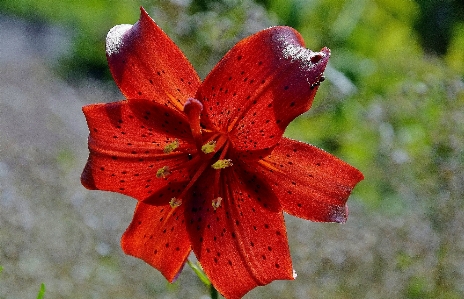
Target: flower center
{"points": [[212, 150]]}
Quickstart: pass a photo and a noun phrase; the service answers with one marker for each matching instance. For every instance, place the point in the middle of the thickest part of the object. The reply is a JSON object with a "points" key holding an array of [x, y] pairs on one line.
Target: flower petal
{"points": [[158, 236], [261, 85], [146, 64], [241, 243], [127, 145], [309, 182]]}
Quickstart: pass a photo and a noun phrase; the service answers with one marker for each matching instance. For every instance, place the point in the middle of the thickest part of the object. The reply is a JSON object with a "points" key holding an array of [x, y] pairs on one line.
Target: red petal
{"points": [[260, 85], [243, 243], [126, 146], [146, 64], [309, 182], [158, 236]]}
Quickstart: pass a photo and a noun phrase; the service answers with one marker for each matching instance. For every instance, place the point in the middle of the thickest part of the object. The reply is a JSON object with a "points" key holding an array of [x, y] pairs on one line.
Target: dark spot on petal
{"points": [[316, 58]]}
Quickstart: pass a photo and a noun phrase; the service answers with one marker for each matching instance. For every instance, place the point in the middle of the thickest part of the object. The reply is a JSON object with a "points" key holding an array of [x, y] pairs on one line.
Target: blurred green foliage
{"points": [[195, 26], [392, 106], [88, 21]]}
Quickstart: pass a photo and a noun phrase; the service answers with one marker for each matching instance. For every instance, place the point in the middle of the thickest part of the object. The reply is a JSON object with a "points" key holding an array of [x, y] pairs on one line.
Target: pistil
{"points": [[217, 144]]}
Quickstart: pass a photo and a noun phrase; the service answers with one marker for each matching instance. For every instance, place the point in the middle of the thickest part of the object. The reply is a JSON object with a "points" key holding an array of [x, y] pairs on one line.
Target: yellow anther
{"points": [[170, 147], [175, 202], [220, 164], [216, 202], [209, 147], [163, 172]]}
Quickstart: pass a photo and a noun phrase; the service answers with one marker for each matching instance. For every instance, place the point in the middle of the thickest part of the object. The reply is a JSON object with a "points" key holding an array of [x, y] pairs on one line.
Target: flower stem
{"points": [[199, 272], [213, 292]]}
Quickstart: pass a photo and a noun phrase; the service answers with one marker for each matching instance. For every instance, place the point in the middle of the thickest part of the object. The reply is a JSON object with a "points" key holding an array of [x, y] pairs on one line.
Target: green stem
{"points": [[213, 292], [199, 272]]}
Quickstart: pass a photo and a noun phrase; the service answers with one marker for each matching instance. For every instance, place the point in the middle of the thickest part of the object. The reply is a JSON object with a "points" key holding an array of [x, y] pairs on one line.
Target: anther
{"points": [[175, 202], [220, 164], [209, 147], [216, 203], [163, 172], [170, 147]]}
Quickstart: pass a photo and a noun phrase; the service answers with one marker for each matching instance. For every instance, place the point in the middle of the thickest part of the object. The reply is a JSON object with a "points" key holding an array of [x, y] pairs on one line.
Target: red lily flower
{"points": [[207, 161]]}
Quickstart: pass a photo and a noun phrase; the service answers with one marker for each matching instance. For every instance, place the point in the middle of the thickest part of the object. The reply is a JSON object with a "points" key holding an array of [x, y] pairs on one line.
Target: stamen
{"points": [[175, 202], [163, 172], [170, 147], [209, 147], [216, 202], [221, 164], [192, 181]]}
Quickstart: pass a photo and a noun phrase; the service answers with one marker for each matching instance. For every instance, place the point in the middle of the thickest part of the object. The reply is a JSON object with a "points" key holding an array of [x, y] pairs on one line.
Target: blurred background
{"points": [[392, 106]]}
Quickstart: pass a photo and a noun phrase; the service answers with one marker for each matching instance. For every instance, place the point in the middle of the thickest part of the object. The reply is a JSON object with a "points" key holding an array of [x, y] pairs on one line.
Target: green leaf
{"points": [[41, 292]]}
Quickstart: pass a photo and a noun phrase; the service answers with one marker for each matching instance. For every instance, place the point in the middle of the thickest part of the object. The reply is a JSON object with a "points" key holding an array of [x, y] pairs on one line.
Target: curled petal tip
{"points": [[326, 51], [339, 214], [115, 38], [320, 59]]}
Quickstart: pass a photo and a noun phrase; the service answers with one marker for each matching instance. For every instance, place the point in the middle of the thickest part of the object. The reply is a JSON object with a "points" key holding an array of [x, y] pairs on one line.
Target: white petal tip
{"points": [[114, 38]]}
